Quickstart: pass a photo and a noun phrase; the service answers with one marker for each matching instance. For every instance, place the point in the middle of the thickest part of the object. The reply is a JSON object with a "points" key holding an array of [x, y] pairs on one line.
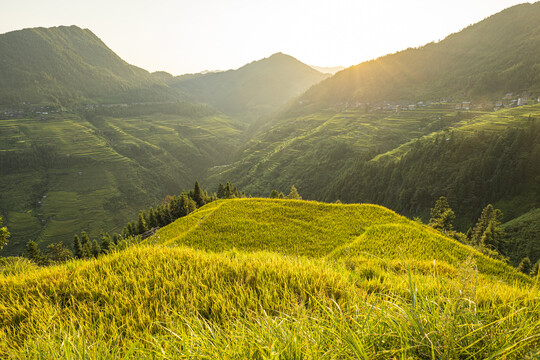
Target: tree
{"points": [[78, 250], [535, 270], [95, 249], [116, 238], [4, 235], [294, 195], [141, 226], [151, 219], [105, 243], [442, 215], [86, 245], [221, 191], [199, 195], [57, 252], [34, 254], [525, 265], [489, 214]]}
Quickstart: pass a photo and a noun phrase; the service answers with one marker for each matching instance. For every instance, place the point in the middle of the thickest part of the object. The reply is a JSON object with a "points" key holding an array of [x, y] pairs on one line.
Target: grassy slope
{"points": [[323, 230], [64, 174], [170, 301]]}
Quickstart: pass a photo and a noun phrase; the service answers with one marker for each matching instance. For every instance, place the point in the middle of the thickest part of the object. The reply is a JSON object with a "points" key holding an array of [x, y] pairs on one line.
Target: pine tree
{"points": [[57, 252], [77, 247], [34, 254], [525, 265], [95, 249], [4, 235], [117, 238], [187, 204], [199, 195], [490, 238], [105, 243], [151, 219], [469, 235], [86, 245], [221, 191], [132, 229], [535, 268], [141, 227], [294, 195], [162, 215], [489, 214], [442, 215]]}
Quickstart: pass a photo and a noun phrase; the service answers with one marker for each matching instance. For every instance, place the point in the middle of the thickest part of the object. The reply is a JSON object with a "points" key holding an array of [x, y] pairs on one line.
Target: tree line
{"points": [[486, 235]]}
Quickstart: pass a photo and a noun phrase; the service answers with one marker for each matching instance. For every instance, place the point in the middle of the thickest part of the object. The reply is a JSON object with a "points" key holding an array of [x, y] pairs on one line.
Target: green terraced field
{"points": [[308, 150], [63, 173]]}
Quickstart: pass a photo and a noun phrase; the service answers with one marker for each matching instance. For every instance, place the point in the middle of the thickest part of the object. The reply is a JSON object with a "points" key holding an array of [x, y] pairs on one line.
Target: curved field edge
{"points": [[286, 226], [317, 229]]}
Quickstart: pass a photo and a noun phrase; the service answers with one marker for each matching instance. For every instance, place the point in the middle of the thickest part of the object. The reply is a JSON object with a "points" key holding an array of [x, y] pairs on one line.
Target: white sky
{"points": [[185, 36]]}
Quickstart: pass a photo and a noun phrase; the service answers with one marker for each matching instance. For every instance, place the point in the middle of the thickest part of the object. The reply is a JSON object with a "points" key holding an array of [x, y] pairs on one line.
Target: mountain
{"points": [[255, 89], [358, 279], [69, 65], [328, 70], [329, 141], [496, 56]]}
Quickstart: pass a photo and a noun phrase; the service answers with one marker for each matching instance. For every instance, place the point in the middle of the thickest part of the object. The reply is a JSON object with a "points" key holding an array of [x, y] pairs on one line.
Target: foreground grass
{"points": [[160, 302], [343, 281]]}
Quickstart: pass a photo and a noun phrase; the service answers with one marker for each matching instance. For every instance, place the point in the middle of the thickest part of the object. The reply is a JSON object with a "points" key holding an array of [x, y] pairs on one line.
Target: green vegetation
{"points": [[70, 65], [470, 165], [65, 172], [521, 237], [231, 277], [496, 56], [373, 285], [311, 151], [4, 235]]}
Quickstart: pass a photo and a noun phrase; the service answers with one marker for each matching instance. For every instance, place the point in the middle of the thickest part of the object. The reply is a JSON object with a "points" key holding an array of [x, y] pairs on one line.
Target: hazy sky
{"points": [[190, 36]]}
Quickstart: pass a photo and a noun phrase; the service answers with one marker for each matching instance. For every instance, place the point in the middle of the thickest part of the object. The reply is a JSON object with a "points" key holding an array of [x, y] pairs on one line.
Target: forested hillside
{"points": [[70, 65], [484, 61], [472, 165]]}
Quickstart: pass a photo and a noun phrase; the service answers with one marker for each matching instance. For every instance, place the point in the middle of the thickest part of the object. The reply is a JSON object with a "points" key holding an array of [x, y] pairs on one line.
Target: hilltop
{"points": [[70, 65], [255, 89], [360, 289]]}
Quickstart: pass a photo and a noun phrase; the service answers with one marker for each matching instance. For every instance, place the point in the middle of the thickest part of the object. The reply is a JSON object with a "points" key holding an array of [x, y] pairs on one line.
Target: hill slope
{"points": [[70, 64], [318, 230], [173, 302], [66, 172], [254, 89], [495, 56]]}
